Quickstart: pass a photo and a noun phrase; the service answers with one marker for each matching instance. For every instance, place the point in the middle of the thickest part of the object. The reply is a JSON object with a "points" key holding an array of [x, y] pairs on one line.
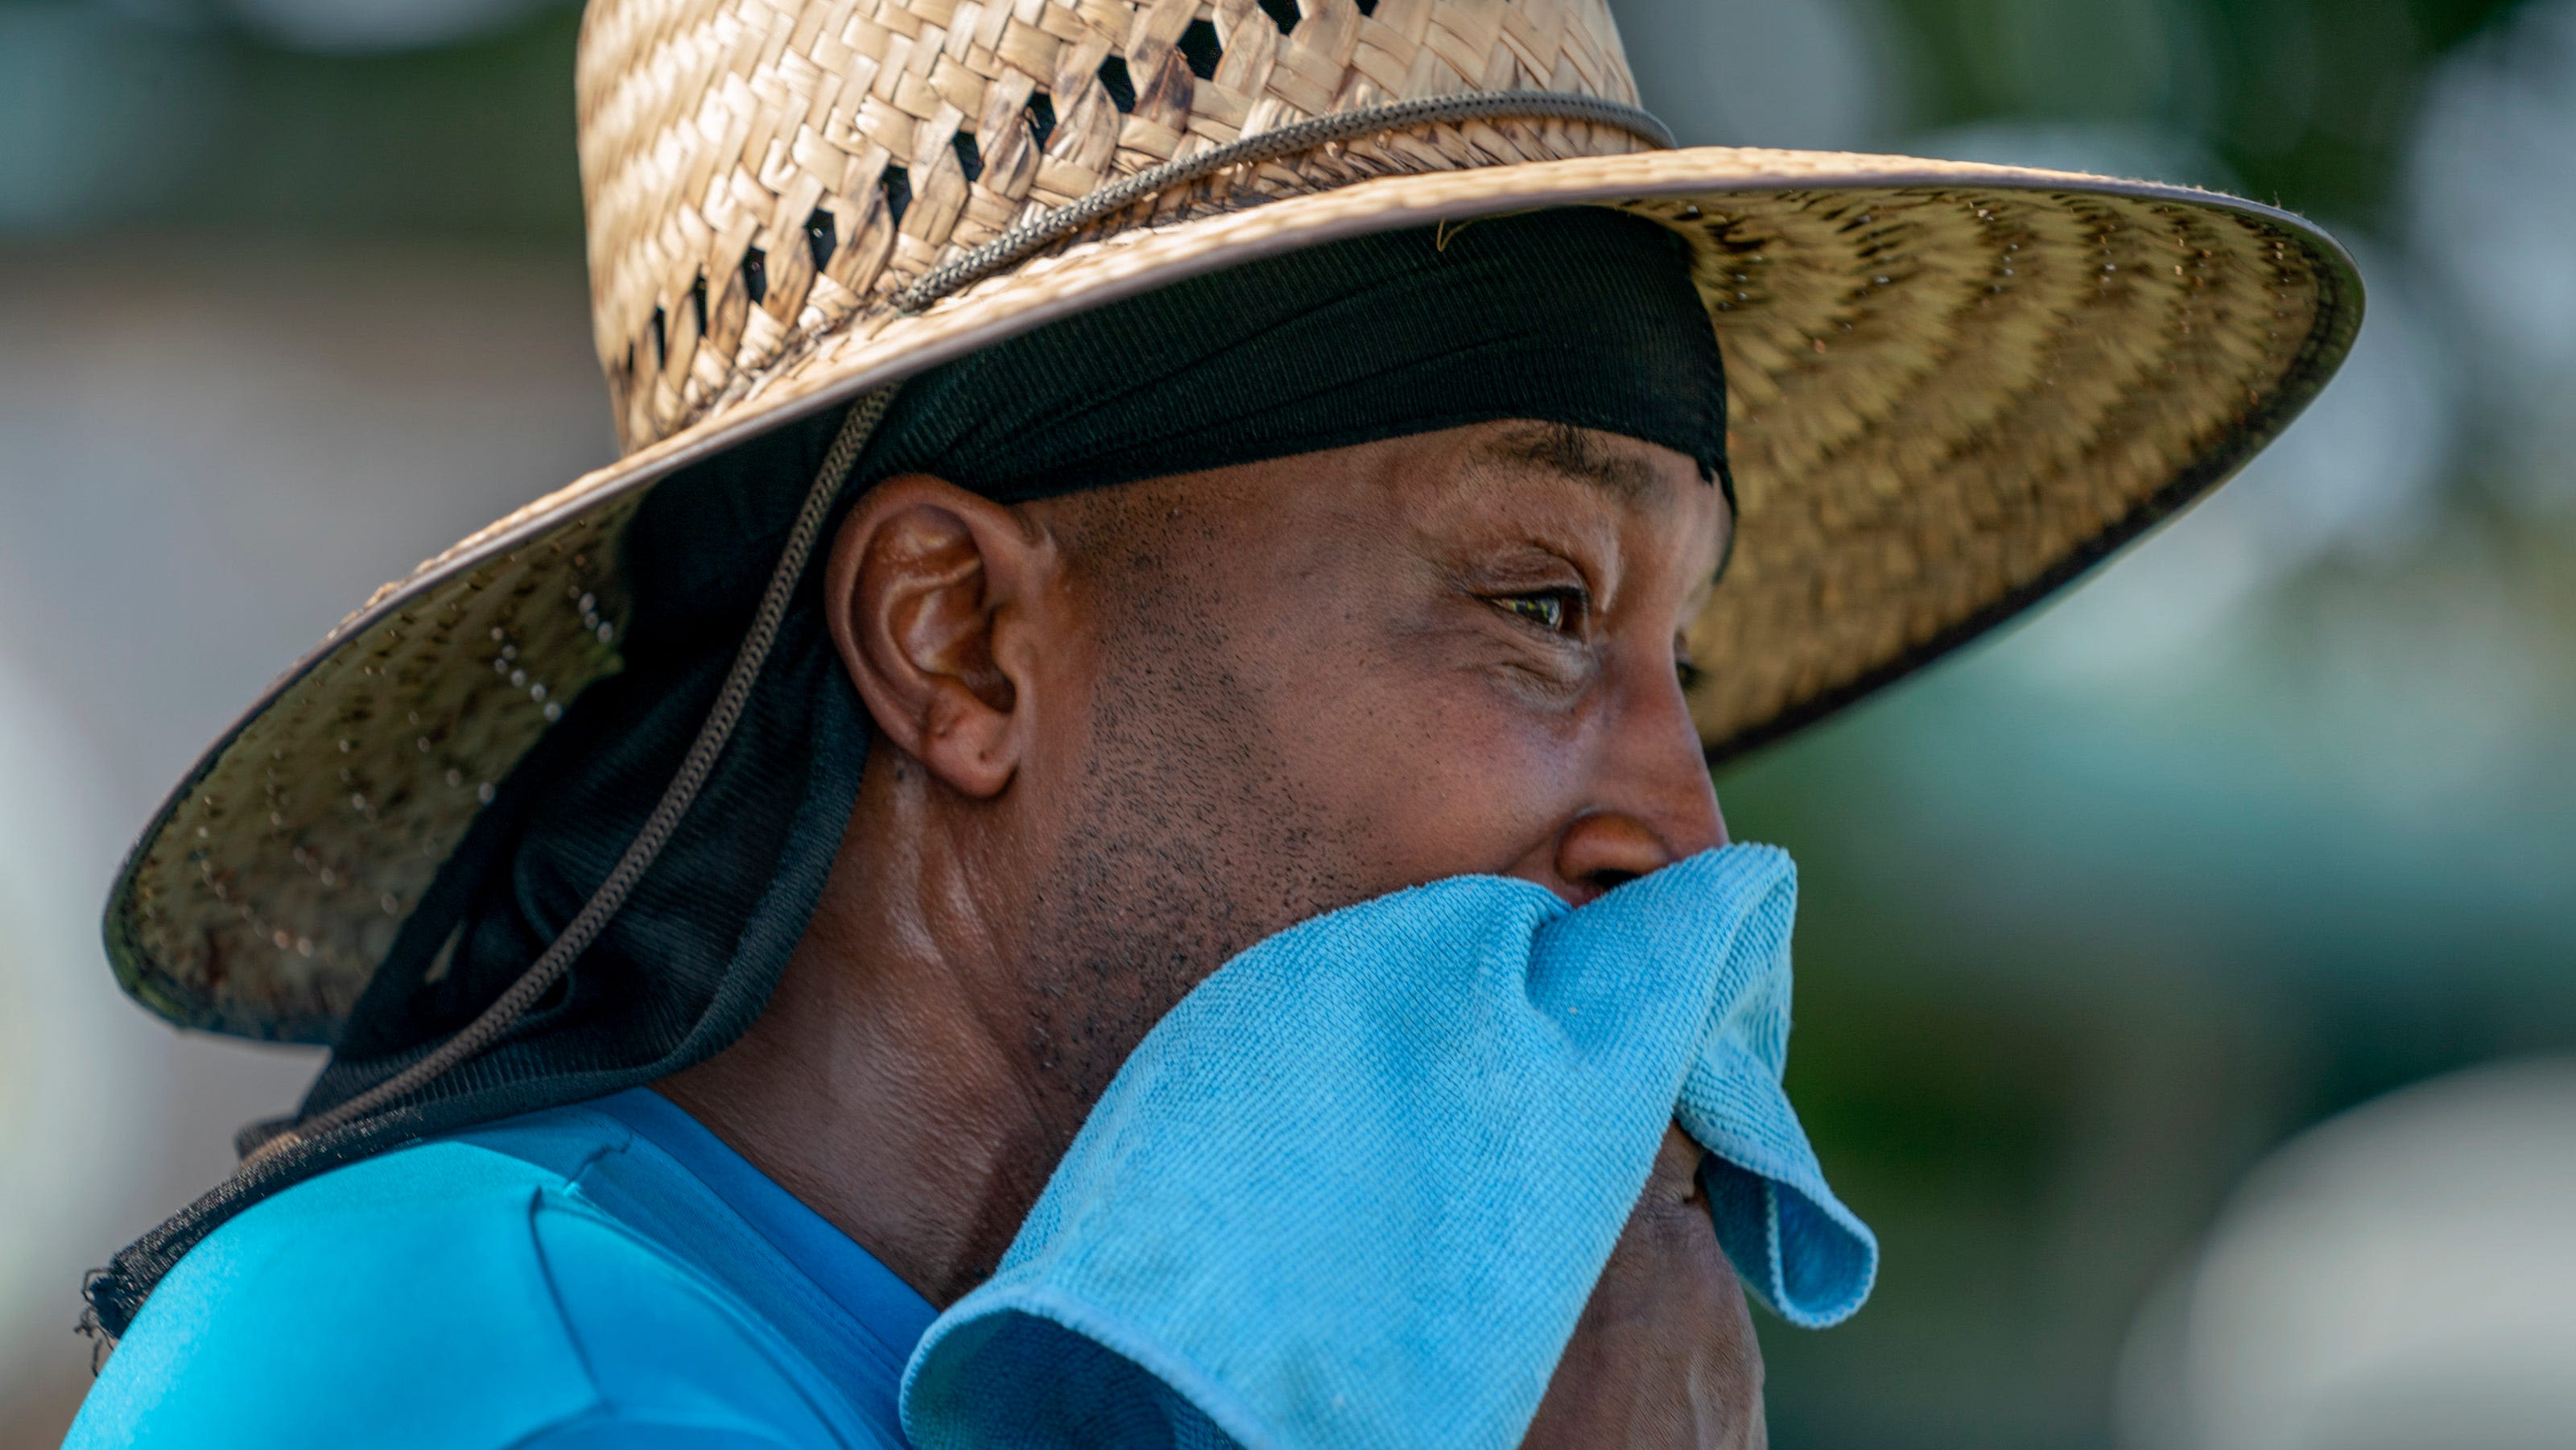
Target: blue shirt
{"points": [[607, 1274]]}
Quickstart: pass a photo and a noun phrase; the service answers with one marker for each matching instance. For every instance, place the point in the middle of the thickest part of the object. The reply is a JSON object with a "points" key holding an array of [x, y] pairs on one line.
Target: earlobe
{"points": [[923, 578]]}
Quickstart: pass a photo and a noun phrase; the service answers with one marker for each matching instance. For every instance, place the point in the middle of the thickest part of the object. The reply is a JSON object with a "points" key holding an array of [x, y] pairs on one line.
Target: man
{"points": [[721, 956]]}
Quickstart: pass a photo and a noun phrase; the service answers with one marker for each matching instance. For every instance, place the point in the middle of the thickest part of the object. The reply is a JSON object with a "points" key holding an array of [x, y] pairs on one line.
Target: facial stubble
{"points": [[1190, 840]]}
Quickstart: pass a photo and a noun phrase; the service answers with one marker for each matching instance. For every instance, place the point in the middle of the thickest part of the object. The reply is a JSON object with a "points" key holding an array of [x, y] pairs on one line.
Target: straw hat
{"points": [[1953, 386]]}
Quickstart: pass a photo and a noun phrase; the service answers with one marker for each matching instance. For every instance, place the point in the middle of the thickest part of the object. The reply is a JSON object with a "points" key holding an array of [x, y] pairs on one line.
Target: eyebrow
{"points": [[1569, 450]]}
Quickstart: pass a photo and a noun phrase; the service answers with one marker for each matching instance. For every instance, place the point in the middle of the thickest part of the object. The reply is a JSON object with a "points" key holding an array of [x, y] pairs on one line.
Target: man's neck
{"points": [[887, 1082]]}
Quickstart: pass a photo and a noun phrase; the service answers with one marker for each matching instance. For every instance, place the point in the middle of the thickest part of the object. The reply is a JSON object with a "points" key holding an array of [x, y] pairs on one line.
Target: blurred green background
{"points": [[2271, 823]]}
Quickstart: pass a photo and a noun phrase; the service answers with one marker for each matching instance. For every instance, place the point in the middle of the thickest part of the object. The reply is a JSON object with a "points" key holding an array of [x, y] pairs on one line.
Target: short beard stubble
{"points": [[1190, 841]]}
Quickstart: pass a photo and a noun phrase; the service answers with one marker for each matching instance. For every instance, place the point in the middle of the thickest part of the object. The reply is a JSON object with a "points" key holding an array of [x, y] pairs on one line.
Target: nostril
{"points": [[1607, 850]]}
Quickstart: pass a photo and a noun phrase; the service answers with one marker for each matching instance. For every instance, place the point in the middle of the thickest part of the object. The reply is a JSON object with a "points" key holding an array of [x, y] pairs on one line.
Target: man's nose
{"points": [[1656, 804]]}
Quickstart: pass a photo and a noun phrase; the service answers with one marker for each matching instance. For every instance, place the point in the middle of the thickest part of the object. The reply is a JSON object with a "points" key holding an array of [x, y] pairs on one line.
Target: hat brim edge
{"points": [[2327, 344]]}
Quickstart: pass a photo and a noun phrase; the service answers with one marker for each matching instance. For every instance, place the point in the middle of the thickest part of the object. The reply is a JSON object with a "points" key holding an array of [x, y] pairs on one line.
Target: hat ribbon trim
{"points": [[1044, 231]]}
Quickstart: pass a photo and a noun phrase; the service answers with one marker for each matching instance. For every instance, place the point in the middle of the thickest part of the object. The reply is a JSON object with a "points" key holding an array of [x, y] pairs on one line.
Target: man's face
{"points": [[1321, 679], [1159, 723]]}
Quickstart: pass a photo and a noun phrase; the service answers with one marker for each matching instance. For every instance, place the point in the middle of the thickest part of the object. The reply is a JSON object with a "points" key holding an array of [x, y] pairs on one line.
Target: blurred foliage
{"points": [[123, 123], [2306, 101]]}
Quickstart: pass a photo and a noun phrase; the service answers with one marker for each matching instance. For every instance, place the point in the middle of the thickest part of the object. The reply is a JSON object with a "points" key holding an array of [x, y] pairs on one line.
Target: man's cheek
{"points": [[1462, 788]]}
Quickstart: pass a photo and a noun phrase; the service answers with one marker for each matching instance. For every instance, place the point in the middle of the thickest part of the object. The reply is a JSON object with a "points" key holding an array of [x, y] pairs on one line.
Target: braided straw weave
{"points": [[1953, 386]]}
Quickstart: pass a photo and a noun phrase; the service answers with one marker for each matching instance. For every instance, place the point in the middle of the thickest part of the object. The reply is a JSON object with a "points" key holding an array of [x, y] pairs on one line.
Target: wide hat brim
{"points": [[1952, 387]]}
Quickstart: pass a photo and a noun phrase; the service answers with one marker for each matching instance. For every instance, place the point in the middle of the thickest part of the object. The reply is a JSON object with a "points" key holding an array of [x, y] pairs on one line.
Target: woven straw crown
{"points": [[1952, 387], [756, 173]]}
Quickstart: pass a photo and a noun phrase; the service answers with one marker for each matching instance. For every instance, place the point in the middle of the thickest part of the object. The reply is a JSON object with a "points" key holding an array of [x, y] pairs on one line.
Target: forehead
{"points": [[1445, 497]]}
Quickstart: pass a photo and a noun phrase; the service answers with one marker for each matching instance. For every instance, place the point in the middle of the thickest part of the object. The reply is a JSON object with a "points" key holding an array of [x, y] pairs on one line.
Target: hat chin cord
{"points": [[137, 1270], [1326, 130], [496, 1020], [122, 1287]]}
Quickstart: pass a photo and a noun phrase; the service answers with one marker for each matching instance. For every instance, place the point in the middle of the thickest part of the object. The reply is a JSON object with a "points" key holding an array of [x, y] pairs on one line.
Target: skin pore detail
{"points": [[1123, 735]]}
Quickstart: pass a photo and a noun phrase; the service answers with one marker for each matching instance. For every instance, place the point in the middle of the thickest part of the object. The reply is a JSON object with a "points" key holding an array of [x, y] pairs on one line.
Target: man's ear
{"points": [[925, 580]]}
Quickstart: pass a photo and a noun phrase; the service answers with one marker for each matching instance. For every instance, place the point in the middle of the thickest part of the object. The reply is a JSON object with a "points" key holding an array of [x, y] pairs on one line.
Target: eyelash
{"points": [[1567, 607]]}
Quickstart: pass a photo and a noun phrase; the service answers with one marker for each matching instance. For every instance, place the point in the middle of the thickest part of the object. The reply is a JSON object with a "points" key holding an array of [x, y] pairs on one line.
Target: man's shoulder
{"points": [[458, 1293]]}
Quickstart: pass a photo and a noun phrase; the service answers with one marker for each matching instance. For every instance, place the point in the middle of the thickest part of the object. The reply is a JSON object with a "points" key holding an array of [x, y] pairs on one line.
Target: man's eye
{"points": [[1554, 610]]}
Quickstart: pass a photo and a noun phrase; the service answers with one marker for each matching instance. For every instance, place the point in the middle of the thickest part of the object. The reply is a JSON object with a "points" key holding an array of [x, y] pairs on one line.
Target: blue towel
{"points": [[1356, 1188]]}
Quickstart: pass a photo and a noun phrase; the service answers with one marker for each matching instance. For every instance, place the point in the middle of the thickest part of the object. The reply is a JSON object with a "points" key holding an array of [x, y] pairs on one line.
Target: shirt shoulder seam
{"points": [[746, 1238], [740, 1318]]}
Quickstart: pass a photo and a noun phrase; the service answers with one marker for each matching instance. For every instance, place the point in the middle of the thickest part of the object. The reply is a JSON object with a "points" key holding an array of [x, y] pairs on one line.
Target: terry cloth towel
{"points": [[1356, 1188]]}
